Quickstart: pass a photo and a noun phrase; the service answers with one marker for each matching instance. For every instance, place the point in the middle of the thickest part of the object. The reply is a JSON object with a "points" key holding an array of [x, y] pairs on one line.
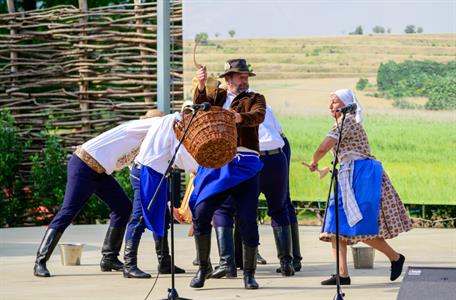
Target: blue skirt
{"points": [[209, 182], [155, 217], [367, 185]]}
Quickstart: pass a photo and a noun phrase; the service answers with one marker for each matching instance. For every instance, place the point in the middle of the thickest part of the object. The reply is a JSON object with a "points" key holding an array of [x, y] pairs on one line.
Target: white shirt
{"points": [[117, 147], [158, 147], [229, 98], [269, 132]]}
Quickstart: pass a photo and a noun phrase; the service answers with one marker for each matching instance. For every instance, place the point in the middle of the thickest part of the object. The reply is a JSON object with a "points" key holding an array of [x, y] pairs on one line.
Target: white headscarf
{"points": [[348, 97]]}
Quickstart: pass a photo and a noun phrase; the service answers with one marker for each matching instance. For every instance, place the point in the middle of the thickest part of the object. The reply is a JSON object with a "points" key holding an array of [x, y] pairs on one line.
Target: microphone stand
{"points": [[334, 184], [172, 292]]}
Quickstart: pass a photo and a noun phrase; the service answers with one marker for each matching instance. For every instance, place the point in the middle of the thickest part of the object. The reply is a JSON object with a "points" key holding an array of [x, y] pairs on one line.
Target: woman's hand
{"points": [[313, 166]]}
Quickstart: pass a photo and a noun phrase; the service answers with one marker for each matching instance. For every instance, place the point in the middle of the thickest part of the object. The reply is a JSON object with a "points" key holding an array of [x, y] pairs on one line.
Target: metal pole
{"points": [[163, 55], [83, 71], [13, 54]]}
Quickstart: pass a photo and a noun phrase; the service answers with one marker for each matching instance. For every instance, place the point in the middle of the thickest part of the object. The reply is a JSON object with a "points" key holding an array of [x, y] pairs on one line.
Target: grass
{"points": [[417, 155]]}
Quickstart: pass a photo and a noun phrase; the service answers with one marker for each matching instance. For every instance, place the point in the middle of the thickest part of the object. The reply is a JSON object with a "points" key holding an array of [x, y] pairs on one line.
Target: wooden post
{"points": [[163, 55], [143, 53], [83, 84], [13, 54]]}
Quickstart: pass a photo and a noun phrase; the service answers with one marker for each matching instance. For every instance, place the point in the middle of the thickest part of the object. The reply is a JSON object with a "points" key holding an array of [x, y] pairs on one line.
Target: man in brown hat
{"points": [[238, 180]]}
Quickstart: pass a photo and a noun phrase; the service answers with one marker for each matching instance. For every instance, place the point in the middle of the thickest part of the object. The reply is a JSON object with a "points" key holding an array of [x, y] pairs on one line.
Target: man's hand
{"points": [[179, 218], [237, 116], [201, 75]]}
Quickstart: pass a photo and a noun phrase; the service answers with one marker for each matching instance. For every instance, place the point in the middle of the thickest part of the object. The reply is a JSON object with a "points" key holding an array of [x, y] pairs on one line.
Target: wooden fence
{"points": [[81, 70]]}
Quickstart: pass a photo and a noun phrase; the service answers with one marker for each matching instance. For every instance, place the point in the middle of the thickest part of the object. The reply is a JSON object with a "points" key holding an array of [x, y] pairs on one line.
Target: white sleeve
{"points": [[277, 125], [139, 127], [185, 161]]}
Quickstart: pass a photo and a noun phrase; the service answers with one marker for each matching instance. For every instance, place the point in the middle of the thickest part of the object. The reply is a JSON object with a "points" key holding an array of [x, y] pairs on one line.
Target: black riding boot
{"points": [[50, 240], [203, 248], [296, 247], [282, 236], [238, 246], [164, 259], [111, 248], [227, 266], [250, 261], [238, 249], [130, 269]]}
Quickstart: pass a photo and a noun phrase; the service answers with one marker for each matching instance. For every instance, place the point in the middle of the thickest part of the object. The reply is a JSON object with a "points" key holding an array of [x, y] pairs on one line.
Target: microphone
{"points": [[205, 106], [350, 108]]}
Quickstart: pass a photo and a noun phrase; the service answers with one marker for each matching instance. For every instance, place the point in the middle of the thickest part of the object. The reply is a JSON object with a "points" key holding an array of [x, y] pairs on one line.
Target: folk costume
{"points": [[90, 171], [238, 179], [150, 165]]}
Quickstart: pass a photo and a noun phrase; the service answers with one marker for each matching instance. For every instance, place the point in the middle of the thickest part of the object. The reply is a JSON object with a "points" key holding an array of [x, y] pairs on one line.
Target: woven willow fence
{"points": [[80, 70]]}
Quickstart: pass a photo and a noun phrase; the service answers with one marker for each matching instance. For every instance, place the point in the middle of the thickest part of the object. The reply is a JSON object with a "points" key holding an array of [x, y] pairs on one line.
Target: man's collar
{"points": [[234, 95]]}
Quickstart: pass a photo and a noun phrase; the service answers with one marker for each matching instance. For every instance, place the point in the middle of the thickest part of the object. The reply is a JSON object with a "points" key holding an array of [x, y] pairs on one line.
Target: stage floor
{"points": [[422, 247]]}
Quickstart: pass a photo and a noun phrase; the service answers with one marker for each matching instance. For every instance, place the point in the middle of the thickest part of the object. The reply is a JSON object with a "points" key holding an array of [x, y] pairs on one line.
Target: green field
{"points": [[321, 57], [418, 155]]}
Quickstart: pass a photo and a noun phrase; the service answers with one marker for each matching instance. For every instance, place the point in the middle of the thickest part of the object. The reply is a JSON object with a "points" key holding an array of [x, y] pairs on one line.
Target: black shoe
{"points": [[110, 263], [261, 260], [396, 267], [111, 248], [332, 280], [164, 259], [164, 267], [202, 274], [250, 282], [203, 248], [130, 269], [47, 246]]}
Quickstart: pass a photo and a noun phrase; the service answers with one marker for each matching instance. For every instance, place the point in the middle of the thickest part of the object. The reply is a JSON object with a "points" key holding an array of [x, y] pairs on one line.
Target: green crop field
{"points": [[418, 155]]}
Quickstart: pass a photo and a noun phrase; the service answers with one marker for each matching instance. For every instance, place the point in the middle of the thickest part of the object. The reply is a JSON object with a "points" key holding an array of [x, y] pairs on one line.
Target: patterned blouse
{"points": [[354, 144]]}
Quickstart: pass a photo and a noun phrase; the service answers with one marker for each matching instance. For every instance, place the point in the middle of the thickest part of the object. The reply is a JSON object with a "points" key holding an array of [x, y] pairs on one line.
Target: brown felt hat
{"points": [[238, 65]]}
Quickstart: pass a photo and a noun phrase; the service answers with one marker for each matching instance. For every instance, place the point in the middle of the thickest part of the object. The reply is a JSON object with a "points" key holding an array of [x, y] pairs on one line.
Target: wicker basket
{"points": [[211, 138]]}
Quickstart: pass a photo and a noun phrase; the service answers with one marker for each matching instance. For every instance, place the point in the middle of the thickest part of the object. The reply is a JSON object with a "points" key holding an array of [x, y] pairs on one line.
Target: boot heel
{"points": [[106, 269]]}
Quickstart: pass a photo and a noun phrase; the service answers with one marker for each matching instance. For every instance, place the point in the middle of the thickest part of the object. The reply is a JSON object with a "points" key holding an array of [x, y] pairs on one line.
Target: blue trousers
{"points": [[136, 225], [274, 186], [82, 182], [291, 209], [242, 200]]}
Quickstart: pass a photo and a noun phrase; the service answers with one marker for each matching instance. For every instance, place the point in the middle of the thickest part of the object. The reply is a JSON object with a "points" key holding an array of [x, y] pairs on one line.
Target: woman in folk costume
{"points": [[238, 179], [151, 163], [89, 172], [370, 209]]}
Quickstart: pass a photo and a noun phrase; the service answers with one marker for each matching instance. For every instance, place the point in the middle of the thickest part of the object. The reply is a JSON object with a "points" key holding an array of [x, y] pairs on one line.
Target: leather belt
{"points": [[271, 152], [89, 160]]}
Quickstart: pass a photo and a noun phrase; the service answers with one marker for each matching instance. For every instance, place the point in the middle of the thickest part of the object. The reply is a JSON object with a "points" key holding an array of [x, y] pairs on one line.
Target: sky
{"points": [[298, 18]]}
